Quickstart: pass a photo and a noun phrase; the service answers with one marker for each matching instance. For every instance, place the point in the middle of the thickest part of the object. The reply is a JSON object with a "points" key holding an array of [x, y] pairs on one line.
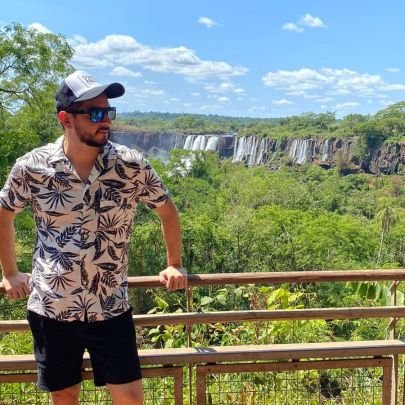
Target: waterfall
{"points": [[212, 144], [325, 150], [252, 150], [302, 150], [188, 143], [200, 142]]}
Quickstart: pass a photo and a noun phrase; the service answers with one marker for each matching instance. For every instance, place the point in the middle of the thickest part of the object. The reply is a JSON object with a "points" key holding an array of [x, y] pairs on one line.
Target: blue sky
{"points": [[257, 58]]}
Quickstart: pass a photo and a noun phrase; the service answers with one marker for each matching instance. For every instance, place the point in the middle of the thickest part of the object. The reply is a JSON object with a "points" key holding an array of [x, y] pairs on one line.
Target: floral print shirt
{"points": [[82, 230]]}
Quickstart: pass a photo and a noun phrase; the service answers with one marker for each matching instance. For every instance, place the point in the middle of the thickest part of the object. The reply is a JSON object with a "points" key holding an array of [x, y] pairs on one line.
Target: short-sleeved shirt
{"points": [[80, 257]]}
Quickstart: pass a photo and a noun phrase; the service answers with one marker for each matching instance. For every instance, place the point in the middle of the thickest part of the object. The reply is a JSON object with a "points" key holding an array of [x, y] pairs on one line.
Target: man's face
{"points": [[92, 133]]}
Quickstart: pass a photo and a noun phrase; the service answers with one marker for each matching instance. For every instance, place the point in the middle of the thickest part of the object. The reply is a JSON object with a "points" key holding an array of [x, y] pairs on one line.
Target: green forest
{"points": [[234, 218]]}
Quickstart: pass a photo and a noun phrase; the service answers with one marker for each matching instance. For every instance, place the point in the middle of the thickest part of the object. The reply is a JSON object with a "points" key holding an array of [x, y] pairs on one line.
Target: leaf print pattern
{"points": [[65, 236], [83, 230]]}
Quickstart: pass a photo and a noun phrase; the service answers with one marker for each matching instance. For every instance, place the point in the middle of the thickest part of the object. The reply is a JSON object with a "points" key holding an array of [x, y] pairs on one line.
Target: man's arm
{"points": [[174, 277], [14, 282]]}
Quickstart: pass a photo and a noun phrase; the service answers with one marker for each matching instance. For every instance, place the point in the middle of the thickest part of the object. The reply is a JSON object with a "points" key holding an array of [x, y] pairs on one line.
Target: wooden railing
{"points": [[383, 354]]}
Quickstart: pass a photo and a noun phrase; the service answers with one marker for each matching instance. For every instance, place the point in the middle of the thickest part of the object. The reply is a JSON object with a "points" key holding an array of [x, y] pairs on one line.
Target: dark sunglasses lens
{"points": [[96, 115]]}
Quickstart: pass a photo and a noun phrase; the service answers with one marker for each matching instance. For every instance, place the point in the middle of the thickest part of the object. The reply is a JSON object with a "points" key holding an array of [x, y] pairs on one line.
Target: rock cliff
{"points": [[328, 153]]}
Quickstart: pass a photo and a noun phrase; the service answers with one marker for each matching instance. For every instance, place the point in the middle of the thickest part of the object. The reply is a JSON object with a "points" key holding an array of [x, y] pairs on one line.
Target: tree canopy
{"points": [[32, 64]]}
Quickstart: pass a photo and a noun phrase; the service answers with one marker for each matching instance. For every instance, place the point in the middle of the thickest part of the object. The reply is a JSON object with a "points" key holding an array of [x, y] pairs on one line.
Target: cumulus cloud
{"points": [[306, 21], [324, 99], [208, 22], [393, 70], [122, 71], [209, 107], [125, 50], [311, 21], [333, 81], [223, 87], [39, 27], [223, 99], [152, 92], [282, 102], [346, 106], [292, 27]]}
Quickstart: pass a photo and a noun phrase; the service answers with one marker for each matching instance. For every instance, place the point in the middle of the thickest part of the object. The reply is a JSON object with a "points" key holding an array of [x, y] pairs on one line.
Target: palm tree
{"points": [[387, 216]]}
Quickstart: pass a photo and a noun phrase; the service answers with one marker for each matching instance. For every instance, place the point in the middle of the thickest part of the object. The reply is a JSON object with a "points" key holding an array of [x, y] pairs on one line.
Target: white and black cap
{"points": [[81, 86]]}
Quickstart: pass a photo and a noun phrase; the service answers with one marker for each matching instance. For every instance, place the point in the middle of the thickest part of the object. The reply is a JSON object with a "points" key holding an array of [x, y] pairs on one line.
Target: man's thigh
{"points": [[112, 348], [58, 351]]}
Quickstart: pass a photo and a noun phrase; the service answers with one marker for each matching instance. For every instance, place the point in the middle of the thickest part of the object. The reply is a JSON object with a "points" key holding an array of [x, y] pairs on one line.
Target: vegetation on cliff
{"points": [[387, 124]]}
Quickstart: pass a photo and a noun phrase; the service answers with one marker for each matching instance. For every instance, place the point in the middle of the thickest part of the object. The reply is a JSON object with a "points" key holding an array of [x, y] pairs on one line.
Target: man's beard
{"points": [[89, 139]]}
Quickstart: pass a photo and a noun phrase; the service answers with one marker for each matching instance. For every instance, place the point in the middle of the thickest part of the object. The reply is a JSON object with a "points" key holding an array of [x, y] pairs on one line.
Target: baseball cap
{"points": [[81, 86]]}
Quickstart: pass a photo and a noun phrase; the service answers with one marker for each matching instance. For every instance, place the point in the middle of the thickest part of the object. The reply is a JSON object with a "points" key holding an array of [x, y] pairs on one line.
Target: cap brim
{"points": [[112, 90]]}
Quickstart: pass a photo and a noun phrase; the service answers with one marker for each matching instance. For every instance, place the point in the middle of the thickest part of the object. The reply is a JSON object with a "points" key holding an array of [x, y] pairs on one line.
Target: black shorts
{"points": [[59, 348]]}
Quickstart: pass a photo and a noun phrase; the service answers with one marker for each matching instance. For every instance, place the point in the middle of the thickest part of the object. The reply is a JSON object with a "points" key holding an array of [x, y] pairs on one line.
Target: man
{"points": [[83, 190]]}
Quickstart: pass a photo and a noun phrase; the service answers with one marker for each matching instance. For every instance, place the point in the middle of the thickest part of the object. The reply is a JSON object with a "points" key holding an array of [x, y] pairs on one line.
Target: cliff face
{"points": [[387, 159]]}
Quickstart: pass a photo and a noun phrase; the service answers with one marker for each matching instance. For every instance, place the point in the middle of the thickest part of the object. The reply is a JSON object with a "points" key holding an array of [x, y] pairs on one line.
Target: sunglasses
{"points": [[97, 114]]}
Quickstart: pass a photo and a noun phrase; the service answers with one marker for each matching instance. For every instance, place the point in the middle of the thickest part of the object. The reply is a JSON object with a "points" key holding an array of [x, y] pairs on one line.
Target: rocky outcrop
{"points": [[250, 150], [388, 159]]}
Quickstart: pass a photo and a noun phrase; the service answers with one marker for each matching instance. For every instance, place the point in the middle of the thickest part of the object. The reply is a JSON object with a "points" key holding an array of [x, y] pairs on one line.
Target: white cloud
{"points": [[311, 21], [307, 21], [223, 99], [152, 92], [122, 71], [346, 106], [224, 87], [77, 40], [150, 82], [324, 99], [292, 27], [209, 106], [282, 102], [393, 70], [332, 81], [174, 99], [124, 50], [187, 105], [195, 93], [208, 22], [39, 27]]}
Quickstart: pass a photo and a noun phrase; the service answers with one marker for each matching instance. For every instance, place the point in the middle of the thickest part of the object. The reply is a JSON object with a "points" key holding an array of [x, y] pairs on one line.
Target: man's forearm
{"points": [[7, 248], [172, 237], [170, 221]]}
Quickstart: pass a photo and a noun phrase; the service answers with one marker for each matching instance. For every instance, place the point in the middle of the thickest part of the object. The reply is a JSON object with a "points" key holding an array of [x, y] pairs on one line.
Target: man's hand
{"points": [[17, 285], [173, 278]]}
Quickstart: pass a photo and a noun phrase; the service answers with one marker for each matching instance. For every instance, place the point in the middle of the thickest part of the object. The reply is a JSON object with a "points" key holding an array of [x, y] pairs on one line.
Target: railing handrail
{"points": [[193, 318], [296, 277]]}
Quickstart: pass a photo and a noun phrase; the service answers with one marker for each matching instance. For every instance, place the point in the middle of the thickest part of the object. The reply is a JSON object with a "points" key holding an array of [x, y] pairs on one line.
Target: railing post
{"points": [[393, 335], [189, 297]]}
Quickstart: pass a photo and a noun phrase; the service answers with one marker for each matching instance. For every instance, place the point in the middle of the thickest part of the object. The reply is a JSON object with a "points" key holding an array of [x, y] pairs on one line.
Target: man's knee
{"points": [[67, 396], [131, 393]]}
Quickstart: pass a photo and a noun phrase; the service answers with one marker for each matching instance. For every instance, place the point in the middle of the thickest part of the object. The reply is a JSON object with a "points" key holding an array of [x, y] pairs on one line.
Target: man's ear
{"points": [[64, 119]]}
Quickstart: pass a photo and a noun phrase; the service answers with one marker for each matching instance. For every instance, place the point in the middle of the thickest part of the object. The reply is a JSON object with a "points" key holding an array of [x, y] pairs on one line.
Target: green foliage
{"points": [[30, 61], [31, 65]]}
